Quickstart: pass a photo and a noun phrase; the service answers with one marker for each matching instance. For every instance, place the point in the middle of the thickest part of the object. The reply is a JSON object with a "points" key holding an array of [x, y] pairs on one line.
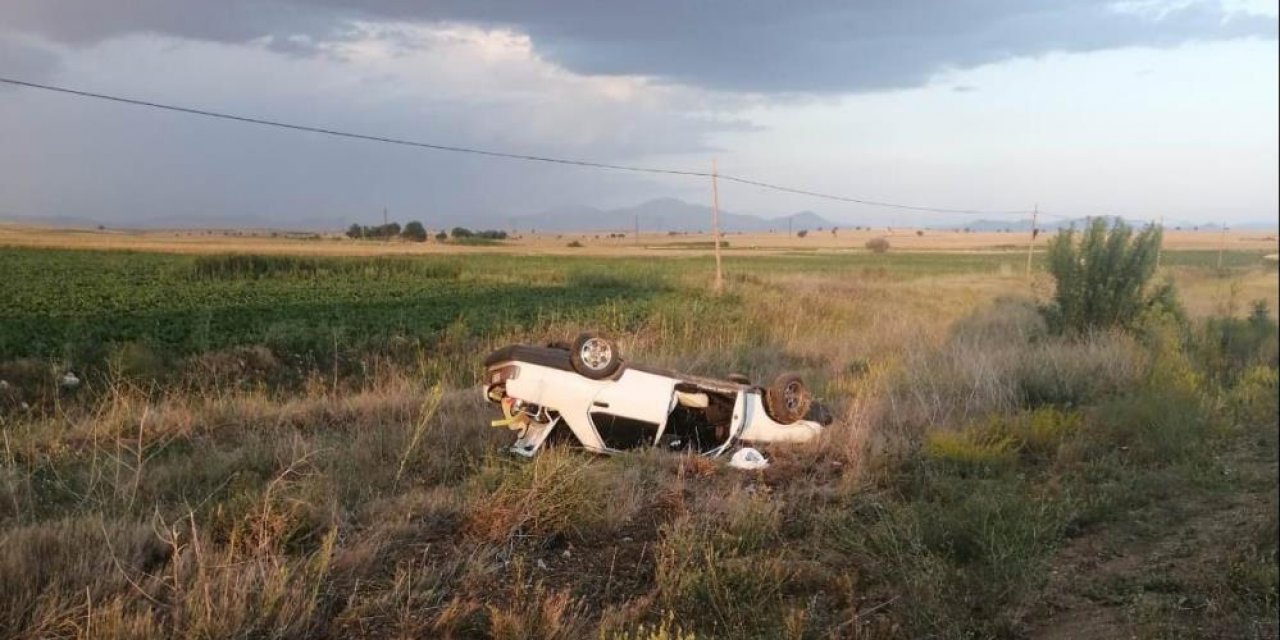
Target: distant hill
{"points": [[662, 214], [50, 221], [657, 215]]}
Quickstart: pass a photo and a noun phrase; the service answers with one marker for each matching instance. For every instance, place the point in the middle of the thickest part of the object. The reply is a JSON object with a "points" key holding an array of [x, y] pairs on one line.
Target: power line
{"points": [[490, 153]]}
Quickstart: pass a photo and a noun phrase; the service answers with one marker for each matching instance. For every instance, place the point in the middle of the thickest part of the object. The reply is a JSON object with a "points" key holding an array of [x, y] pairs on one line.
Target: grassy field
{"points": [[292, 446]]}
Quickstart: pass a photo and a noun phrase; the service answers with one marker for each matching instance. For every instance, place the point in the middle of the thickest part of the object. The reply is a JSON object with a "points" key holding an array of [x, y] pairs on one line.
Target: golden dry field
{"points": [[269, 242]]}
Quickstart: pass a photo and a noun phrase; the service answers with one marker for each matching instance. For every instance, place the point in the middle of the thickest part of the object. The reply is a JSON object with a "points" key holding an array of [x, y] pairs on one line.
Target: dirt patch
{"points": [[1171, 581]]}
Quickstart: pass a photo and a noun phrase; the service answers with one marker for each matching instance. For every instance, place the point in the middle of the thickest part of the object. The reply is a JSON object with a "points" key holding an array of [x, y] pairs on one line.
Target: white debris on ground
{"points": [[748, 459], [70, 380]]}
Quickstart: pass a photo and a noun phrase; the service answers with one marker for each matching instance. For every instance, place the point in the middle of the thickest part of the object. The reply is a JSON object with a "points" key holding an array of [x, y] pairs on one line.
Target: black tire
{"points": [[594, 356], [787, 399]]}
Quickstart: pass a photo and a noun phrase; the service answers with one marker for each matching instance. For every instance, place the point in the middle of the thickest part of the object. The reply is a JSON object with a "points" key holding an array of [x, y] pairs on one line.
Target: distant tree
{"points": [[878, 245], [459, 233], [1103, 277], [834, 230], [355, 231], [413, 230], [442, 236], [919, 233], [802, 233]]}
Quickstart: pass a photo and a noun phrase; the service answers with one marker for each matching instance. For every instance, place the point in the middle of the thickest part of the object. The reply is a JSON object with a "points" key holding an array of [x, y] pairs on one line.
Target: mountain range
{"points": [[662, 214], [657, 215]]}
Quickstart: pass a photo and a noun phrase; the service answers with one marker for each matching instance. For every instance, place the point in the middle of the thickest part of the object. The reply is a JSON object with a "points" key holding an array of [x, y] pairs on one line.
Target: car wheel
{"points": [[595, 356], [787, 399]]}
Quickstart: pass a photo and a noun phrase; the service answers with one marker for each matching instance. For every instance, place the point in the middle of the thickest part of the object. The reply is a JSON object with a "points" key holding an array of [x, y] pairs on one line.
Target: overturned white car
{"points": [[609, 405]]}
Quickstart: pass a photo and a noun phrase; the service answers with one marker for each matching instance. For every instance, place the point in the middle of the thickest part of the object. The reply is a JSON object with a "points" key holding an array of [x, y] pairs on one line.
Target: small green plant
{"points": [[971, 450]]}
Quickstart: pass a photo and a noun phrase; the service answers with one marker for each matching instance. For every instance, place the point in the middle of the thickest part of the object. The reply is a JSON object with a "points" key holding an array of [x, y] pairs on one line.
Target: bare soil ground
{"points": [[1168, 573]]}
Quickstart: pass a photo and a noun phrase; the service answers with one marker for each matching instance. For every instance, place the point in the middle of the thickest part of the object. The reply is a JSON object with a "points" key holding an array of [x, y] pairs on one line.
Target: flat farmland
{"points": [[276, 437]]}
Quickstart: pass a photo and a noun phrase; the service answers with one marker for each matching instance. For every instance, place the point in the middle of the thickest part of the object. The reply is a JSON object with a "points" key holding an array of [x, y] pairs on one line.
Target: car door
{"points": [[633, 410]]}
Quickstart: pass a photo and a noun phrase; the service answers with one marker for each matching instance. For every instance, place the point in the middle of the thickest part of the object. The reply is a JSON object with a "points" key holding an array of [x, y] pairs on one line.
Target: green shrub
{"points": [[1153, 427], [1228, 347], [414, 231], [1253, 399], [1103, 278]]}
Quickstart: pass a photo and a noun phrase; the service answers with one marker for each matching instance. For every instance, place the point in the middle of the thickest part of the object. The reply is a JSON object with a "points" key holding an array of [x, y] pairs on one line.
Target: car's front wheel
{"points": [[595, 356], [787, 399]]}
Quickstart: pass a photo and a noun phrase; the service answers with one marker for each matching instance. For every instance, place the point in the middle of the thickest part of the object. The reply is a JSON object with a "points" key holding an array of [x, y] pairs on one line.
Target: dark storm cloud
{"points": [[25, 59], [821, 47]]}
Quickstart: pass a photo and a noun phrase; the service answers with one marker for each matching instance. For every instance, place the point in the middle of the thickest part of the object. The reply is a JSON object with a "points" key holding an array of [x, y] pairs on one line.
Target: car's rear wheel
{"points": [[787, 399], [595, 356]]}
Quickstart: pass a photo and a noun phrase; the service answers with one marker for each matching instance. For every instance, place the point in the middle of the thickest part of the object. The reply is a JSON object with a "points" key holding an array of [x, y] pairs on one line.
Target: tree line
{"points": [[414, 231]]}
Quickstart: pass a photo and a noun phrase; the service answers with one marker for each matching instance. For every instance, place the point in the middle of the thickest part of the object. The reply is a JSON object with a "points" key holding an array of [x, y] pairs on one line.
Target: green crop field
{"points": [[70, 303], [74, 304]]}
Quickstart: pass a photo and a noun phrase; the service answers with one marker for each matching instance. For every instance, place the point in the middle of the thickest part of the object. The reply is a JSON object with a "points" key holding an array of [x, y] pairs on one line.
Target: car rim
{"points": [[792, 395], [596, 353]]}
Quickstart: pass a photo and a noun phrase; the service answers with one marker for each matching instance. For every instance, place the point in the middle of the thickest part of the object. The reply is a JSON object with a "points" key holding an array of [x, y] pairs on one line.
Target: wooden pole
{"points": [[1031, 244], [715, 226], [1222, 244]]}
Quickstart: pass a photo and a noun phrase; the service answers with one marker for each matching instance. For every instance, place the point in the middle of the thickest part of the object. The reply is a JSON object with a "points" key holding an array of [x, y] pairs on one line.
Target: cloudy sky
{"points": [[1141, 108]]}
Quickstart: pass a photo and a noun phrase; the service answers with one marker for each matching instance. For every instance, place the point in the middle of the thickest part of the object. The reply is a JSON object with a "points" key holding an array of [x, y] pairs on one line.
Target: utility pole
{"points": [[384, 216], [1222, 244], [715, 226], [637, 237], [1031, 244]]}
